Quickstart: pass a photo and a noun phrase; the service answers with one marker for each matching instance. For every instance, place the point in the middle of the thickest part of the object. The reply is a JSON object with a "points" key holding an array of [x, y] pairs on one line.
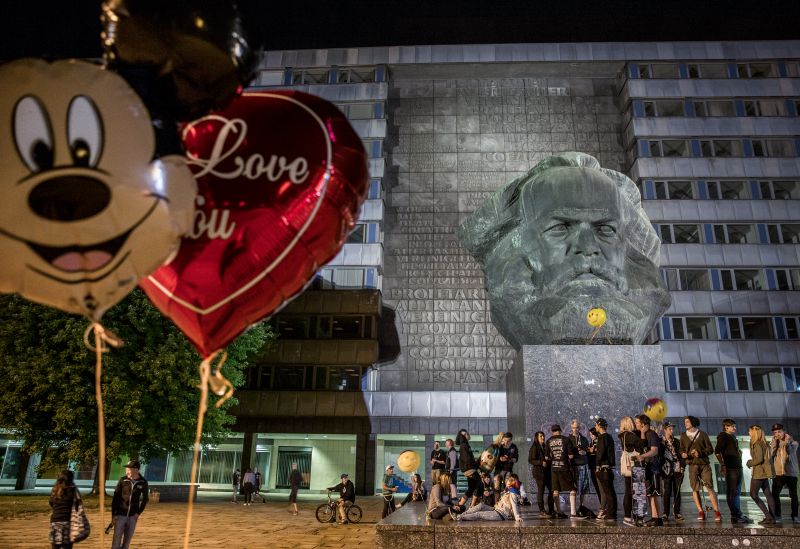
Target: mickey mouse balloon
{"points": [[85, 208]]}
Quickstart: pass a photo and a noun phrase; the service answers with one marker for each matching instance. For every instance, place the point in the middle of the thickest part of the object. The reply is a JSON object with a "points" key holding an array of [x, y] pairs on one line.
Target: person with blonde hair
{"points": [[762, 471], [629, 441], [439, 498]]}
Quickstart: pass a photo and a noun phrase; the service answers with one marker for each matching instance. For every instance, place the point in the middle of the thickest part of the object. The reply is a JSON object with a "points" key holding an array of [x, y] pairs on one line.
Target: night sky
{"points": [[71, 28]]}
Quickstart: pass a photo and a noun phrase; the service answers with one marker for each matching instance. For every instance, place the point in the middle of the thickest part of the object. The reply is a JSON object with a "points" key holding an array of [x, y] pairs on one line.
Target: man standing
{"points": [[580, 465], [509, 455], [130, 499], [730, 458], [236, 478], [295, 480], [652, 473], [672, 469], [605, 460], [388, 489], [438, 459], [783, 450], [560, 453], [695, 449], [451, 465], [347, 496]]}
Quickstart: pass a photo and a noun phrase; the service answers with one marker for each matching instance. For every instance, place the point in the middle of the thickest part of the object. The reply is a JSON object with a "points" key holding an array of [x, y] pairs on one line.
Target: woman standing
{"points": [[249, 481], [62, 497], [629, 440], [469, 467], [540, 469], [295, 480], [672, 470], [761, 465]]}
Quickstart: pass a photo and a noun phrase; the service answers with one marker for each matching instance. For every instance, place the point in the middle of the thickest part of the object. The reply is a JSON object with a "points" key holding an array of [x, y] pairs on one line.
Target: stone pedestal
{"points": [[556, 383]]}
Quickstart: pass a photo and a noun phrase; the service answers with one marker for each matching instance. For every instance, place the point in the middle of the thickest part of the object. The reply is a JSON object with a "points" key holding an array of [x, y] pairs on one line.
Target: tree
{"points": [[150, 393]]}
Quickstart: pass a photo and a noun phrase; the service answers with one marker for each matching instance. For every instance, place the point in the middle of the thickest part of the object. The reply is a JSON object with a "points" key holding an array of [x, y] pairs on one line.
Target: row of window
{"points": [[727, 189], [731, 279], [729, 327], [326, 75], [728, 233], [754, 69], [346, 278], [718, 378], [325, 327], [719, 148], [310, 378], [702, 108]]}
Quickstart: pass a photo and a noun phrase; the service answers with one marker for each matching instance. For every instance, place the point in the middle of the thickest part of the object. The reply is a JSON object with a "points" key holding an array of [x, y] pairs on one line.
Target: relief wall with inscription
{"points": [[450, 143]]}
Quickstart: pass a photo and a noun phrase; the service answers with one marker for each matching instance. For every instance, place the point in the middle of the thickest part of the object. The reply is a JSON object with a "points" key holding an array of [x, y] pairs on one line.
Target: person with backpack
{"points": [[672, 470], [695, 449]]}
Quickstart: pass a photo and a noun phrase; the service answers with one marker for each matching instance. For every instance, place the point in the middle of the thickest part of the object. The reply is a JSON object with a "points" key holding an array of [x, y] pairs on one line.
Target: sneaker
{"points": [[560, 516], [767, 520], [398, 506], [678, 517], [577, 517], [544, 514], [655, 522], [701, 515], [601, 515], [777, 520], [744, 519], [717, 516], [452, 514], [628, 520]]}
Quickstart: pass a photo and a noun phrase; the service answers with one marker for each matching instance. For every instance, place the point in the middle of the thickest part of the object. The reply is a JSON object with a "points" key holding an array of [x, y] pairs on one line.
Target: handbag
{"points": [[626, 462], [79, 528]]}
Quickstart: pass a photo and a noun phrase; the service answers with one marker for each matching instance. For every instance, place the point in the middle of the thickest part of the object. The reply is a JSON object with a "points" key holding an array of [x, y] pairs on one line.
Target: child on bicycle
{"points": [[347, 496]]}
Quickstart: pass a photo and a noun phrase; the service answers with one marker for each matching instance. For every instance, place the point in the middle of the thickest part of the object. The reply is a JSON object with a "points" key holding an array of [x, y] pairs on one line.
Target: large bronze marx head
{"points": [[566, 237]]}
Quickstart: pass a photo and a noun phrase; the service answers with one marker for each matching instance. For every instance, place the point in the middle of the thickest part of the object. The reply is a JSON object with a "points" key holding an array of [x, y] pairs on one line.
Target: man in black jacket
{"points": [[347, 496], [130, 499], [730, 457], [605, 460]]}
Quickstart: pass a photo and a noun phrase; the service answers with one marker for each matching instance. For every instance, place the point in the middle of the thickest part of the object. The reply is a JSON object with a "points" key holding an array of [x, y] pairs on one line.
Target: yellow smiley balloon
{"points": [[596, 317], [408, 461]]}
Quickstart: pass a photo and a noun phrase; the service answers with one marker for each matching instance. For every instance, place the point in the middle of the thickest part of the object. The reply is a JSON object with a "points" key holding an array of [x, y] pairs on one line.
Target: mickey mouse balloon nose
{"points": [[197, 48]]}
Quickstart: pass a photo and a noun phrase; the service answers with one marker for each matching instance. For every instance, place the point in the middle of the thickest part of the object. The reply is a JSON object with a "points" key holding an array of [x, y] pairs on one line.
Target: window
{"points": [[375, 189], [694, 279], [792, 324], [720, 147], [674, 190], [756, 70], [765, 107], [787, 279], [735, 234], [341, 379], [358, 111], [714, 108], [358, 235], [694, 327], [338, 278], [773, 147], [671, 107], [733, 190], [783, 233], [309, 76], [668, 147], [742, 379], [707, 379], [793, 69], [767, 379], [352, 327], [757, 328], [292, 327], [708, 70], [270, 78], [356, 75], [680, 234], [780, 190]]}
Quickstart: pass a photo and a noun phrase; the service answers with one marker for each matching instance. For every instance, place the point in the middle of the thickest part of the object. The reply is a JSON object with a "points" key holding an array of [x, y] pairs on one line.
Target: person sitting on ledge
{"points": [[505, 509], [439, 500]]}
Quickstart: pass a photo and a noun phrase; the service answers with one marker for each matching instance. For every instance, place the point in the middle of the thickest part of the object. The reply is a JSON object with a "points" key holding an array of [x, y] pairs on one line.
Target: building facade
{"points": [[393, 346]]}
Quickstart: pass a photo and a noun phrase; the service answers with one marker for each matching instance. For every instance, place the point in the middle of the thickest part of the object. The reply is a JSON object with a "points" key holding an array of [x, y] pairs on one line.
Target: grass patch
{"points": [[16, 505]]}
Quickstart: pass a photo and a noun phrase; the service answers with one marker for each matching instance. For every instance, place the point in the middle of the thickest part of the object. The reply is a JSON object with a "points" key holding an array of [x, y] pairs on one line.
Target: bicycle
{"points": [[326, 512]]}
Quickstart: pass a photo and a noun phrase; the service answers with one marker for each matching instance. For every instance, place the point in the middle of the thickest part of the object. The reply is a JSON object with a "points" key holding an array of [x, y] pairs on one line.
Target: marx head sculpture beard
{"points": [[567, 237]]}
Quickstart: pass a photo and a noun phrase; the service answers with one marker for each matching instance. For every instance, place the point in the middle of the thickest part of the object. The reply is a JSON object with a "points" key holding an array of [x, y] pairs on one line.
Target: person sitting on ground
{"points": [[507, 508], [439, 500], [417, 492], [347, 496]]}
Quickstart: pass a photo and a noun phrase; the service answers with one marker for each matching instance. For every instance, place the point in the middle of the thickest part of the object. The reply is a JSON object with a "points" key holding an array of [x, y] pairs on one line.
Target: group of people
{"points": [[131, 495], [249, 484], [650, 454]]}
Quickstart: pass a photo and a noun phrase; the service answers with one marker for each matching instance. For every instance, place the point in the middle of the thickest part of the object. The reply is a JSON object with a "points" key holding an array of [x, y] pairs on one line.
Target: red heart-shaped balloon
{"points": [[281, 177]]}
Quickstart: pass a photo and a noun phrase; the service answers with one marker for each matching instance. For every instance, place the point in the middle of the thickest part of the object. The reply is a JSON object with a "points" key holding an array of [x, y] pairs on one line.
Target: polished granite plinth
{"points": [[408, 528]]}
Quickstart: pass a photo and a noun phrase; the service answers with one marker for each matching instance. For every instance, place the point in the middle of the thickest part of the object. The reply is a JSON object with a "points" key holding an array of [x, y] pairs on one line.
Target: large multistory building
{"points": [[393, 346]]}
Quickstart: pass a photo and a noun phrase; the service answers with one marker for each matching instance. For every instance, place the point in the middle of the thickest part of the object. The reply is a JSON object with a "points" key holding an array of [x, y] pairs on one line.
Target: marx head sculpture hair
{"points": [[567, 237]]}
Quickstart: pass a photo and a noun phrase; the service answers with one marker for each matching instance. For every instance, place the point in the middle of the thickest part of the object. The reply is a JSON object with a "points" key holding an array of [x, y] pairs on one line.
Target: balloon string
{"points": [[205, 371], [594, 333]]}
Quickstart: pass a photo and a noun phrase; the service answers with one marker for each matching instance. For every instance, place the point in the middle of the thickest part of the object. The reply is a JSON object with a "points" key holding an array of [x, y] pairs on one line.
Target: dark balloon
{"points": [[281, 177], [190, 56]]}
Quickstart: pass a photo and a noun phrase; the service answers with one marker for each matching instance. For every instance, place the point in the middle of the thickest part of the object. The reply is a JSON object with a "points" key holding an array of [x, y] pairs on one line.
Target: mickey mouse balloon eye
{"points": [[86, 209]]}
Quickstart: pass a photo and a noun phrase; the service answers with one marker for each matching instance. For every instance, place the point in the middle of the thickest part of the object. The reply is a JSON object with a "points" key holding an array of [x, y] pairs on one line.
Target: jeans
{"points": [[672, 491], [778, 484], [733, 491], [124, 527], [757, 484], [608, 497], [388, 506], [542, 477], [480, 512], [440, 512]]}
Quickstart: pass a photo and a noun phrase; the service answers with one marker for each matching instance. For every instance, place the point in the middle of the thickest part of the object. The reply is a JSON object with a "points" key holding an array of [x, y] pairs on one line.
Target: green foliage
{"points": [[150, 390]]}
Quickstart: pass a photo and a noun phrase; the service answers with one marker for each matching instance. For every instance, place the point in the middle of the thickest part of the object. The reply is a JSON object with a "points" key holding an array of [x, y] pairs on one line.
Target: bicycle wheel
{"points": [[354, 513], [325, 513]]}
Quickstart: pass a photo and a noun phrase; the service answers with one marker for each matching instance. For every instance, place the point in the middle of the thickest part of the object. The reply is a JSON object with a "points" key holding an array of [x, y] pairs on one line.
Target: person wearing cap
{"points": [[387, 491], [130, 499], [783, 452], [605, 461], [672, 469], [730, 458], [560, 453], [347, 496]]}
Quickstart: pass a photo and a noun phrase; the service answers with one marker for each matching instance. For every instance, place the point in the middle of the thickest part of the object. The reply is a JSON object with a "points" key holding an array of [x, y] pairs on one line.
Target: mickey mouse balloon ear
{"points": [[197, 49]]}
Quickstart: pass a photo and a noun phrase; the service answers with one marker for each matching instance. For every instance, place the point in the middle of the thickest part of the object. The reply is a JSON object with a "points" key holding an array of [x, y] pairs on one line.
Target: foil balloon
{"points": [[596, 317], [188, 56], [655, 409], [86, 209], [408, 461], [281, 177]]}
